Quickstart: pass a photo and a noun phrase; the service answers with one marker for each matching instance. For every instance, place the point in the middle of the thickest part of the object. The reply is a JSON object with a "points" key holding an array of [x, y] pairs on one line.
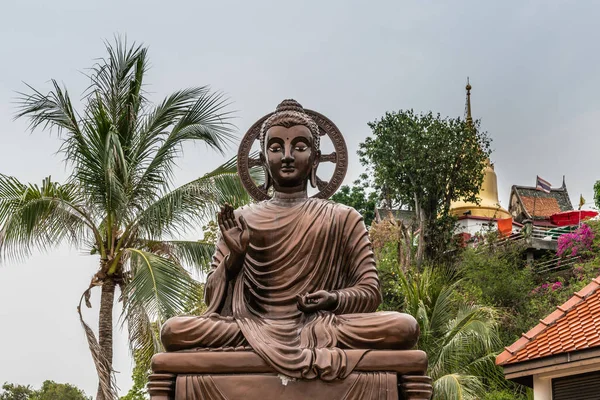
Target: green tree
{"points": [[50, 390], [357, 198], [498, 275], [426, 162], [596, 194], [10, 391], [119, 203]]}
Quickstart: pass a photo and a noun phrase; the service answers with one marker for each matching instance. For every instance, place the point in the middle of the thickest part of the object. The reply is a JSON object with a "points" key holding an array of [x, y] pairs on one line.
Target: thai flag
{"points": [[543, 185]]}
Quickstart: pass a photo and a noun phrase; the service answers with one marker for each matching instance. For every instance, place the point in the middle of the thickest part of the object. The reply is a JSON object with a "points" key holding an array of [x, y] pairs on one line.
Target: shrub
{"points": [[576, 243]]}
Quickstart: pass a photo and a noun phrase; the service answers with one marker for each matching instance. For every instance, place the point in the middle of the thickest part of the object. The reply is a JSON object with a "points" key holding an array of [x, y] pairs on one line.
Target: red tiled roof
{"points": [[544, 207], [575, 325]]}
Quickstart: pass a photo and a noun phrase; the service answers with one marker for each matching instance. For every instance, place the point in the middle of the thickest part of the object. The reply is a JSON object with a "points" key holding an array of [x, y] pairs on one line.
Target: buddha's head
{"points": [[289, 143]]}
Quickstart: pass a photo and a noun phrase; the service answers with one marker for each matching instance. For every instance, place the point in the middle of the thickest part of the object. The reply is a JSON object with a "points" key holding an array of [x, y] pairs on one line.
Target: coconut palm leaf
{"points": [[203, 120], [458, 386], [195, 254], [187, 206], [53, 110], [144, 335], [461, 340], [39, 217], [158, 285], [152, 134], [159, 288]]}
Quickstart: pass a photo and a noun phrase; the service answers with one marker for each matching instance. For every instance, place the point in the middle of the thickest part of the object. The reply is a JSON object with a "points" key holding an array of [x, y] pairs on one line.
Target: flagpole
{"points": [[534, 201]]}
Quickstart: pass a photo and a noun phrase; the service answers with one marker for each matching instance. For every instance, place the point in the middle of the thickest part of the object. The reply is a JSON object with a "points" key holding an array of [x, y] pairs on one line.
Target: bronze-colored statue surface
{"points": [[293, 277]]}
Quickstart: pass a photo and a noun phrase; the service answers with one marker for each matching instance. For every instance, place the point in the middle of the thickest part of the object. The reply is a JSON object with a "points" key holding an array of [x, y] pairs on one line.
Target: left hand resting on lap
{"points": [[319, 300]]}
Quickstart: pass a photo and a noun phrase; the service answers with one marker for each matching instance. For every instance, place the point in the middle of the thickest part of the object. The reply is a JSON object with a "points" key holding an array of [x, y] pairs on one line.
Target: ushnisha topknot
{"points": [[287, 114]]}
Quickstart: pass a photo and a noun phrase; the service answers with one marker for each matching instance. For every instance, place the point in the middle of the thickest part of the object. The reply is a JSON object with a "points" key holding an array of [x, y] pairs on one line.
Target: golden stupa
{"points": [[489, 206]]}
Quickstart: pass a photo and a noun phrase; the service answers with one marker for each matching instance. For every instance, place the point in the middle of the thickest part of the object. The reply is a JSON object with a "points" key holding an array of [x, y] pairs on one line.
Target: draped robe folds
{"points": [[295, 249]]}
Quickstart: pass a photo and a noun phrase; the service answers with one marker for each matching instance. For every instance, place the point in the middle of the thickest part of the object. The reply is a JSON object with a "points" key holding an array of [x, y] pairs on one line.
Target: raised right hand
{"points": [[236, 235]]}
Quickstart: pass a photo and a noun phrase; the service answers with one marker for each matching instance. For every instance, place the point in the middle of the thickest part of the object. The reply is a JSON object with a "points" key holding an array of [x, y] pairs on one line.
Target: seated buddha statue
{"points": [[293, 277]]}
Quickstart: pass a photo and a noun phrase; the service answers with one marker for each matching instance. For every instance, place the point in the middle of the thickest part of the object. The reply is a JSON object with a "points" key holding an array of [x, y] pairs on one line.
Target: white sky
{"points": [[533, 66]]}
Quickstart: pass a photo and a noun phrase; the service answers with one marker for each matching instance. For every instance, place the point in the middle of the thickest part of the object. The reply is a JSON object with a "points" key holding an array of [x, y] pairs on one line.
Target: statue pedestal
{"points": [[221, 375]]}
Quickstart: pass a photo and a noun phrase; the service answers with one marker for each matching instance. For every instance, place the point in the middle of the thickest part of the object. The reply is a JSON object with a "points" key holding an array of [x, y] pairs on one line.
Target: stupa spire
{"points": [[469, 116], [489, 206]]}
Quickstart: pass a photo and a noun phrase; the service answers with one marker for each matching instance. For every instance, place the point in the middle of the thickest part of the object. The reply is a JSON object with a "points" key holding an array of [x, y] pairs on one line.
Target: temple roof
{"points": [[574, 326], [546, 204]]}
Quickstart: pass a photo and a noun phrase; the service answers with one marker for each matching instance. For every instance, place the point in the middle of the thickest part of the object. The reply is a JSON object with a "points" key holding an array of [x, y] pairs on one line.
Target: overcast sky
{"points": [[533, 66]]}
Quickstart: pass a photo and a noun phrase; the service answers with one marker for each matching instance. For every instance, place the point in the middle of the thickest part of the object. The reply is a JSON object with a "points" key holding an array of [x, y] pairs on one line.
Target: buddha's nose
{"points": [[287, 157]]}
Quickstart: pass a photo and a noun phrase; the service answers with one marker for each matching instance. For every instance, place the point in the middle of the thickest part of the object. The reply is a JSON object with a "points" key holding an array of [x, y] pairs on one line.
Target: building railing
{"points": [[555, 264], [550, 235]]}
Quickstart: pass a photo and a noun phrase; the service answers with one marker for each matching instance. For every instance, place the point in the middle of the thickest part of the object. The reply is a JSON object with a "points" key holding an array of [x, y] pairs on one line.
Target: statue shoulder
{"points": [[341, 209]]}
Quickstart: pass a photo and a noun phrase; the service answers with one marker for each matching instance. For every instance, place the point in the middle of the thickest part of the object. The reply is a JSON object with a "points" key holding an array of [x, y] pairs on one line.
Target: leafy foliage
{"points": [[50, 390], [497, 275], [357, 198], [141, 371], [597, 194], [500, 276], [460, 337], [119, 202], [426, 162], [10, 391]]}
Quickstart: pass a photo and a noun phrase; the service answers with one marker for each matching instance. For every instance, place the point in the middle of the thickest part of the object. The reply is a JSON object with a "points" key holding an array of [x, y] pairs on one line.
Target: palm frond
{"points": [[116, 81], [158, 285], [190, 204], [442, 307], [196, 254], [144, 336], [469, 335], [196, 115], [460, 339], [53, 110], [39, 217], [457, 387], [182, 208], [114, 103], [226, 186]]}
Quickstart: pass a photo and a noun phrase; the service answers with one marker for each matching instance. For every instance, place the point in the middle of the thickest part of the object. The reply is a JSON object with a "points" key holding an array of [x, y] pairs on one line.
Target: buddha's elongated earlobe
{"points": [[267, 183], [313, 171], [313, 176]]}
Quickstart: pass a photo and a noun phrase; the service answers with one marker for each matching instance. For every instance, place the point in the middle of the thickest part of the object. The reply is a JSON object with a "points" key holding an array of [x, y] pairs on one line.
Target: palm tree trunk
{"points": [[105, 331]]}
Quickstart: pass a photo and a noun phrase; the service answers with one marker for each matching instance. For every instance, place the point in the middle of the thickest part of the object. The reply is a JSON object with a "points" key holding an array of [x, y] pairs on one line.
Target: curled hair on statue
{"points": [[290, 113]]}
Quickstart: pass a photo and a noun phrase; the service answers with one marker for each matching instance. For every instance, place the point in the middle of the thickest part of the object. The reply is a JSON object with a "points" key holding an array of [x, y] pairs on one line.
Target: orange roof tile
{"points": [[544, 206], [575, 325]]}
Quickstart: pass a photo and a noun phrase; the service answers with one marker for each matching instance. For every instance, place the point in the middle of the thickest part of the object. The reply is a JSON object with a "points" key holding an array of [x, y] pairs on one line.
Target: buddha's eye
{"points": [[301, 147], [275, 149]]}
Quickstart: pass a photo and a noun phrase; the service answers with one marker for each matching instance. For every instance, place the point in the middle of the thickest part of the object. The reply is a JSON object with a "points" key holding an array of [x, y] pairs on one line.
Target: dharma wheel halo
{"points": [[326, 128]]}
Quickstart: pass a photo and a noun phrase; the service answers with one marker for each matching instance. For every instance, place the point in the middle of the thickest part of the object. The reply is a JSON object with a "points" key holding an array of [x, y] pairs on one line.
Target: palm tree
{"points": [[460, 339], [119, 203]]}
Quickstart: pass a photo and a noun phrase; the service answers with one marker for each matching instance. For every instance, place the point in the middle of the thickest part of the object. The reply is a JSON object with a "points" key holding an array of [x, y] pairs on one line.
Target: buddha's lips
{"points": [[287, 169]]}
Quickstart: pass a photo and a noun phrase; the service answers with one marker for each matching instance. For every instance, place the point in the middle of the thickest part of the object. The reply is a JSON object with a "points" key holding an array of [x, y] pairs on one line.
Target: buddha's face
{"points": [[289, 155]]}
